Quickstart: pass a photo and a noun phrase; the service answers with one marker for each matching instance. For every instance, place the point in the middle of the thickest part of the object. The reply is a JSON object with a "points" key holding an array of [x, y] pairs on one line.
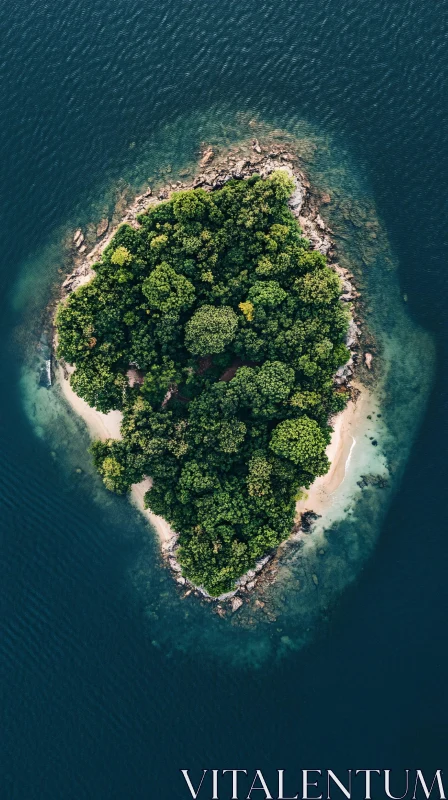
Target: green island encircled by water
{"points": [[196, 317], [218, 300]]}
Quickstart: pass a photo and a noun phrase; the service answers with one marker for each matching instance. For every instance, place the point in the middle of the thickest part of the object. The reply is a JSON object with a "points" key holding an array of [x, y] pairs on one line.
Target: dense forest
{"points": [[230, 329]]}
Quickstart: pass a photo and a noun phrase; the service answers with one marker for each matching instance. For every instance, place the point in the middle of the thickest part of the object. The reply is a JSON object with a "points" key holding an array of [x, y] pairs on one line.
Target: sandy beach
{"points": [[346, 436], [107, 426]]}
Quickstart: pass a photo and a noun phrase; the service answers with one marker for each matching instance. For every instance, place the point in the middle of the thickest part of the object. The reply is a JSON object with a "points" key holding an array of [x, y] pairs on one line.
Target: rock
{"points": [[68, 283], [250, 585], [83, 248], [307, 519], [148, 192], [296, 200], [368, 360], [78, 237], [181, 580], [256, 146], [236, 603], [239, 167], [352, 334], [343, 374], [207, 157], [315, 579], [381, 481], [326, 198], [220, 611], [102, 228]]}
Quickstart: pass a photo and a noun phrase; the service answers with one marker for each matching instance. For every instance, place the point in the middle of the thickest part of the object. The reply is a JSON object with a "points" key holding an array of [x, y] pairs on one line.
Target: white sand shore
{"points": [[107, 426], [346, 436]]}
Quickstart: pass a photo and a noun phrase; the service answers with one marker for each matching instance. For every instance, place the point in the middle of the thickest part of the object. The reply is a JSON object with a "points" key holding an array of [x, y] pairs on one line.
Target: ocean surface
{"points": [[109, 682]]}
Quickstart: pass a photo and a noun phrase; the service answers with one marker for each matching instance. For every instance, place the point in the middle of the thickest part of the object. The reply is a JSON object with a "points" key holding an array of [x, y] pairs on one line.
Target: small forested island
{"points": [[216, 329]]}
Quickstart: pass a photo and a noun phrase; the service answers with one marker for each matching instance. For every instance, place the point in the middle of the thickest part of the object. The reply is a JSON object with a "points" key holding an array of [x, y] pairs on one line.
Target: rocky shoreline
{"points": [[214, 169]]}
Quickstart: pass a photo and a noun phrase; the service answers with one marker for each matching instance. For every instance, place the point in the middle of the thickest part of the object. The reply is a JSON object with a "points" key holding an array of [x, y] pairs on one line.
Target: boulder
{"points": [[207, 157], [352, 334], [296, 200], [102, 227], [239, 167], [368, 360], [236, 603]]}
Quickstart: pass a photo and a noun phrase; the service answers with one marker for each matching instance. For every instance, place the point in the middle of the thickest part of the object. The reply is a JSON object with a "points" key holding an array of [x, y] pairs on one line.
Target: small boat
{"points": [[48, 371], [45, 378]]}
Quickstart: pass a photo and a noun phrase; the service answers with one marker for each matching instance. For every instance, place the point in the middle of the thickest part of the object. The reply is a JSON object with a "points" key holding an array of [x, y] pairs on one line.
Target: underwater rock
{"points": [[236, 603], [381, 481], [307, 519], [102, 227], [207, 157]]}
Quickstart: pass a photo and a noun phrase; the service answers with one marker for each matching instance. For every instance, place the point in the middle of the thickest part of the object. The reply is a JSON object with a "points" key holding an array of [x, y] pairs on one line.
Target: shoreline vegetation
{"points": [[215, 170]]}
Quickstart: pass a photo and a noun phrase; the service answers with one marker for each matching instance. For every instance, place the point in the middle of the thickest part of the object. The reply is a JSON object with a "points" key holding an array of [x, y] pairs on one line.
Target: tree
{"points": [[121, 256], [266, 293], [166, 290], [210, 330], [275, 380], [303, 442], [259, 475]]}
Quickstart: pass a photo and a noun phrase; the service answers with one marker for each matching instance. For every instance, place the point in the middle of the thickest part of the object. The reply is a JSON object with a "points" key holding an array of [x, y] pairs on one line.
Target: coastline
{"points": [[305, 205], [107, 426], [345, 437]]}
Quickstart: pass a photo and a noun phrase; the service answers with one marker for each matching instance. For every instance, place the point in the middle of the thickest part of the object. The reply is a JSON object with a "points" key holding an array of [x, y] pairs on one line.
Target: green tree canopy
{"points": [[233, 329], [210, 330], [303, 442]]}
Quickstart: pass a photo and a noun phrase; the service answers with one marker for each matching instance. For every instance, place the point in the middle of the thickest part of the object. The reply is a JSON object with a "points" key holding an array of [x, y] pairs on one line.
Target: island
{"points": [[214, 326]]}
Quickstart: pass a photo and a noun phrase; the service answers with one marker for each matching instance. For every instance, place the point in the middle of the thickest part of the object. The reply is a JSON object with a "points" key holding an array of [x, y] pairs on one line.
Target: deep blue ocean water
{"points": [[94, 703]]}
